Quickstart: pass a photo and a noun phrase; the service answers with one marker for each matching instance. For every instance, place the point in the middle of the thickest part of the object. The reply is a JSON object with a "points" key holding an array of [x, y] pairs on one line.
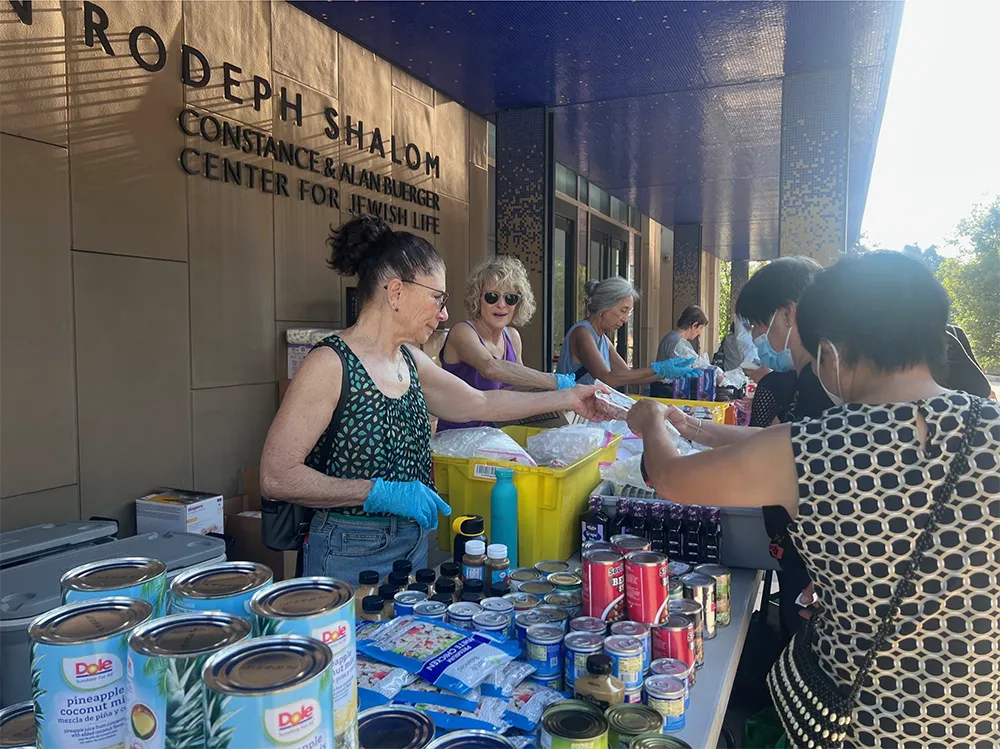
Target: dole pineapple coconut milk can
{"points": [[165, 662], [321, 608], [228, 587], [79, 684], [271, 692], [131, 577]]}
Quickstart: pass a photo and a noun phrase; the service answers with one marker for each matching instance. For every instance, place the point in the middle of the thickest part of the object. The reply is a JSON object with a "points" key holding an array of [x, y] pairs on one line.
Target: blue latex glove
{"points": [[411, 499], [673, 369], [565, 381]]}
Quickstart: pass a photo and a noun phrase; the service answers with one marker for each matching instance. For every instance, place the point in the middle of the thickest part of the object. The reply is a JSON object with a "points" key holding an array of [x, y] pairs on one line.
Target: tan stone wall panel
{"points": [[232, 281], [37, 389], [230, 425], [366, 95], [451, 142], [478, 141], [415, 88], [412, 123], [479, 215], [33, 73], [58, 505], [127, 187], [237, 32], [293, 31], [133, 380], [452, 243]]}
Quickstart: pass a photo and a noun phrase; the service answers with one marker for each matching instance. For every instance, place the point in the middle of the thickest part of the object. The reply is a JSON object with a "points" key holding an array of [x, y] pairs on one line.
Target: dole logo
{"points": [[92, 671], [337, 635], [293, 722]]}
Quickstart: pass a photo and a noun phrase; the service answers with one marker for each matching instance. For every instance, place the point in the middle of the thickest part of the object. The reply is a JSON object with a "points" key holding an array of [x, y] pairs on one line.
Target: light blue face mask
{"points": [[777, 361]]}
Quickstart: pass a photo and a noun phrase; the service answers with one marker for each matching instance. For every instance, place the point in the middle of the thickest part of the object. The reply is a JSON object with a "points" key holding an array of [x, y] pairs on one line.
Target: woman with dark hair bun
{"points": [[895, 499], [352, 437]]}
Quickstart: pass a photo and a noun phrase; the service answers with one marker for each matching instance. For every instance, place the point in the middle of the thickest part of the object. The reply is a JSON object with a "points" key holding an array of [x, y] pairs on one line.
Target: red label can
{"points": [[604, 585], [646, 586], [675, 639]]}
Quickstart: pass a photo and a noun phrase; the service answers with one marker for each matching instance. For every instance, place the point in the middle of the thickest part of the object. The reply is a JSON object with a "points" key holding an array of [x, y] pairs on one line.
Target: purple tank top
{"points": [[471, 375]]}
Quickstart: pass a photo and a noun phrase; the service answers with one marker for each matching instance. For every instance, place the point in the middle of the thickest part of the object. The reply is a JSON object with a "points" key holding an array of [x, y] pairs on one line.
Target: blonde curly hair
{"points": [[505, 274]]}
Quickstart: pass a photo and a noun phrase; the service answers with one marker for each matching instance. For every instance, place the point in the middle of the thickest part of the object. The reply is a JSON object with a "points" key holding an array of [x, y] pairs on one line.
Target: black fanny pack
{"points": [[284, 525]]}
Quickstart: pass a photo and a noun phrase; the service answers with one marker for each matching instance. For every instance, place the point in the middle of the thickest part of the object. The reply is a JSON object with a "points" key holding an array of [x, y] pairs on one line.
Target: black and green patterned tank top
{"points": [[371, 435]]}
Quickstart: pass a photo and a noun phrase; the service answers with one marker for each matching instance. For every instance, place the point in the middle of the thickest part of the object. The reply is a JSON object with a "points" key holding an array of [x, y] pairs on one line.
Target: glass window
{"points": [[491, 141], [619, 210], [581, 189], [634, 218], [565, 181], [600, 200]]}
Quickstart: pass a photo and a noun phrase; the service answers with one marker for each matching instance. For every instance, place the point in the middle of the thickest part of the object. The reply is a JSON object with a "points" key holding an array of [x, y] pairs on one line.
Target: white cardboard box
{"points": [[179, 510]]}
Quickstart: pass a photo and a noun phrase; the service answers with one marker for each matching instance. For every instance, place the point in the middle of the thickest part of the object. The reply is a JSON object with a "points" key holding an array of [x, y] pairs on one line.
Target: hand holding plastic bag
{"points": [[410, 499], [480, 442], [674, 369]]}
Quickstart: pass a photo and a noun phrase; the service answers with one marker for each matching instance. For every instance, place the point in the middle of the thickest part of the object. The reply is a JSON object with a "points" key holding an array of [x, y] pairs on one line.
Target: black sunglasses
{"points": [[492, 297]]}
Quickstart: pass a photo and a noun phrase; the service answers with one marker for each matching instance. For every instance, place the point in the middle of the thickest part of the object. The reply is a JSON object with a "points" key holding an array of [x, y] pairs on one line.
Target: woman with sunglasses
{"points": [[485, 350], [351, 439]]}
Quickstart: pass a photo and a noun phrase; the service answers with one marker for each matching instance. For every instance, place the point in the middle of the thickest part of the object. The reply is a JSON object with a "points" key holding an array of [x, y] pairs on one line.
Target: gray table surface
{"points": [[710, 694]]}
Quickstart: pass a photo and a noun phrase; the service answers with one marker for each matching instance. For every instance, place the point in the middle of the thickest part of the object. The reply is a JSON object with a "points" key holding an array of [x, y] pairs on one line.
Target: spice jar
{"points": [[367, 584], [451, 571], [474, 561], [373, 609], [497, 565]]}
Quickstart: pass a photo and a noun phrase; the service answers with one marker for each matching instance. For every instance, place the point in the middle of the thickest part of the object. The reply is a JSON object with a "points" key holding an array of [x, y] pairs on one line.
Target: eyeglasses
{"points": [[442, 296], [492, 297]]}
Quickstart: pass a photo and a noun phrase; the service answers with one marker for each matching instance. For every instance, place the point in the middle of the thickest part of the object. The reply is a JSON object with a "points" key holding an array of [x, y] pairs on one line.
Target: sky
{"points": [[938, 151]]}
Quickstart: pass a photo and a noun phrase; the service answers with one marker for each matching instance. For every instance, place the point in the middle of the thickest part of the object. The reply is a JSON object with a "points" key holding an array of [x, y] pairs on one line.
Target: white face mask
{"points": [[837, 400]]}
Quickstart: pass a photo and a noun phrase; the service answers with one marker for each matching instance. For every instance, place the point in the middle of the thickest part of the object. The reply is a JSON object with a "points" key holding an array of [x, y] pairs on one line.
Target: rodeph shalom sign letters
{"points": [[222, 141]]}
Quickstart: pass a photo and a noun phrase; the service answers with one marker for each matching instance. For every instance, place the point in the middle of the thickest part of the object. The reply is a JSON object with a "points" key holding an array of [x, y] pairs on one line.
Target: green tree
{"points": [[725, 298], [972, 280]]}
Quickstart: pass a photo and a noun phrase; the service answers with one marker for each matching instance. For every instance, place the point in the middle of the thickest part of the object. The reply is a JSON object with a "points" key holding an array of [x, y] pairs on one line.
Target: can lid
{"points": [[17, 725], [712, 570], [633, 629], [545, 634], [430, 608], [368, 577], [574, 720], [89, 621], [495, 551], [267, 665], [419, 588], [588, 624], [537, 587], [372, 604], [554, 613], [664, 685], [599, 665], [548, 566], [634, 719], [301, 597], [497, 604], [670, 667], [677, 623], [657, 740], [464, 609], [687, 607], [622, 644], [525, 574], [182, 635], [646, 558], [111, 574], [426, 576], [475, 547], [696, 580], [520, 598], [221, 580], [409, 597], [584, 641], [490, 620], [473, 739], [394, 725], [402, 565], [602, 557]]}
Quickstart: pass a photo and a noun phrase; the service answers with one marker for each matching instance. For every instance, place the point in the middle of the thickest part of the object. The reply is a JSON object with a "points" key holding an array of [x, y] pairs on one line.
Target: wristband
{"points": [[642, 470]]}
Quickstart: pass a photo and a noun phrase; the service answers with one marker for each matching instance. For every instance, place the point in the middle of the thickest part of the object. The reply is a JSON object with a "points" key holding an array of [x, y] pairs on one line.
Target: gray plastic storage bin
{"points": [[745, 541], [36, 541], [29, 590]]}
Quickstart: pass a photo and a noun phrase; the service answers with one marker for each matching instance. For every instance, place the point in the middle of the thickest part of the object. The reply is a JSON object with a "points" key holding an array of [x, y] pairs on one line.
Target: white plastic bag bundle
{"points": [[735, 378], [624, 473], [564, 446], [480, 442], [751, 359]]}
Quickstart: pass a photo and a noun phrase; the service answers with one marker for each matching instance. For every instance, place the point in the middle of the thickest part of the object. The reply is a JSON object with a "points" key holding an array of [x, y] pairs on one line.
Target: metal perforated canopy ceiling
{"points": [[674, 107]]}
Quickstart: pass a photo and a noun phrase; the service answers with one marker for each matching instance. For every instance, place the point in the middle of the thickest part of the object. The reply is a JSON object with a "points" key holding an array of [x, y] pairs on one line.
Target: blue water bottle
{"points": [[503, 513]]}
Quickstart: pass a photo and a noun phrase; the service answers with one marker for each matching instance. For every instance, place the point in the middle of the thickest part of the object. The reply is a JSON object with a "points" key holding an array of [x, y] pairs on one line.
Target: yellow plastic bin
{"points": [[719, 410], [549, 500]]}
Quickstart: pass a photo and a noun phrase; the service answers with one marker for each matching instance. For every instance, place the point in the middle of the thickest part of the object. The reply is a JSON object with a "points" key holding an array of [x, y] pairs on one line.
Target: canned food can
{"points": [[430, 610], [639, 631], [665, 694], [460, 614], [523, 621], [678, 569], [595, 546], [579, 646], [522, 575], [677, 668], [522, 601], [567, 582], [555, 614], [627, 721], [128, 577], [675, 590], [545, 648], [79, 657], [17, 726], [723, 579], [471, 740], [633, 696], [538, 588], [227, 586], [625, 544], [675, 638], [604, 585], [658, 740], [693, 611], [590, 624], [551, 682], [405, 600], [492, 623], [548, 566], [405, 727], [626, 659], [701, 590], [646, 586], [166, 655], [280, 686], [572, 603], [506, 608], [573, 724]]}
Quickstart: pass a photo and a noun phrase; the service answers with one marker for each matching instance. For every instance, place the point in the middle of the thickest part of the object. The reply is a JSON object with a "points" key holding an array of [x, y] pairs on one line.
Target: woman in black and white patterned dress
{"points": [[858, 482]]}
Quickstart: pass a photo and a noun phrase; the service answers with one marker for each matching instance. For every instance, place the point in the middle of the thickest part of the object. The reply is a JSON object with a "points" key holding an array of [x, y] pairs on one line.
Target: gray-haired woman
{"points": [[587, 351]]}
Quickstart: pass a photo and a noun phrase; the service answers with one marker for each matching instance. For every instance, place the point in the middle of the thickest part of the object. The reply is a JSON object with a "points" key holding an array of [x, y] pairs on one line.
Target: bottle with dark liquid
{"points": [[656, 526], [675, 533], [638, 519], [620, 523], [694, 536], [713, 535], [594, 523]]}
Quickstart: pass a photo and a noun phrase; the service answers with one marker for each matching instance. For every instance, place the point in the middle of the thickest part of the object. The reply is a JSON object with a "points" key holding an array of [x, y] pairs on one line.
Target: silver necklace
{"points": [[399, 373]]}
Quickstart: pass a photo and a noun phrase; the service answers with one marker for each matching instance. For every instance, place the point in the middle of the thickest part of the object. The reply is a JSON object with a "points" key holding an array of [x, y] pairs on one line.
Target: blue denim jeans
{"points": [[341, 546]]}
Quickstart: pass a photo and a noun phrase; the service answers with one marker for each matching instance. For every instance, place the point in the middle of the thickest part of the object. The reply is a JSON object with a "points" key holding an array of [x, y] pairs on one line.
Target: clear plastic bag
{"points": [[734, 378], [564, 446], [480, 442], [489, 715], [526, 705], [503, 681], [624, 473], [378, 683], [616, 404]]}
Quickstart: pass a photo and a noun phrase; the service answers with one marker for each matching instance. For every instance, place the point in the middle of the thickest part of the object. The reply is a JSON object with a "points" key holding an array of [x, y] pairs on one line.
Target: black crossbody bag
{"points": [[815, 711]]}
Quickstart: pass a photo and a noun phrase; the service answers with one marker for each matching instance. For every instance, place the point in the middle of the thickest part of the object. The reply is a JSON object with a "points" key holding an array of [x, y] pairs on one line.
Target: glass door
{"points": [[563, 265]]}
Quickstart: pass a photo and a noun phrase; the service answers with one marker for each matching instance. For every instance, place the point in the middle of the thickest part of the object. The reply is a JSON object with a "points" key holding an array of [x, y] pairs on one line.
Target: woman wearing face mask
{"points": [[587, 352], [863, 482], [485, 350]]}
